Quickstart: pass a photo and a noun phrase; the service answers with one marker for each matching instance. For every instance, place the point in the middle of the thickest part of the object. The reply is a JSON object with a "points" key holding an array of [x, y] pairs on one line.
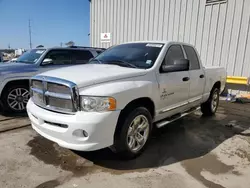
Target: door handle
{"points": [[185, 79], [202, 76]]}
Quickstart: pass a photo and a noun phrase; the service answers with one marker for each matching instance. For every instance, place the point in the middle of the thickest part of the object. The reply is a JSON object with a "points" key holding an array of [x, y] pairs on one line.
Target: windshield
{"points": [[31, 56], [134, 55]]}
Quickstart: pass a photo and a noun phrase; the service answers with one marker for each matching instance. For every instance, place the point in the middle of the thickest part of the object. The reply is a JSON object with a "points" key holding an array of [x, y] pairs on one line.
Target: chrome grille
{"points": [[37, 97], [37, 84], [60, 103], [54, 94], [57, 88]]}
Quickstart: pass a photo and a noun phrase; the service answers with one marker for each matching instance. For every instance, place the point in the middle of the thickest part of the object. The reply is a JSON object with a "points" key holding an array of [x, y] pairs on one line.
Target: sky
{"points": [[52, 22]]}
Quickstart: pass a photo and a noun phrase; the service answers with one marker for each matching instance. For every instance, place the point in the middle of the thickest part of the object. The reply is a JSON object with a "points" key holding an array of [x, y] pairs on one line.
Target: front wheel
{"points": [[134, 133], [15, 98], [210, 106]]}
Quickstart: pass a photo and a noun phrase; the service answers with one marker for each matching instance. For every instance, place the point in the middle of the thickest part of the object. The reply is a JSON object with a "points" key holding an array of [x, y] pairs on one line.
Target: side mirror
{"points": [[179, 65], [47, 61]]}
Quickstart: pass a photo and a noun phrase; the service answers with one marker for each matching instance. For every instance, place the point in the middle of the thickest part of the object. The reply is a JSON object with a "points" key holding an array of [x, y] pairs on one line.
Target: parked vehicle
{"points": [[5, 61], [12, 60], [14, 77], [1, 57], [124, 93]]}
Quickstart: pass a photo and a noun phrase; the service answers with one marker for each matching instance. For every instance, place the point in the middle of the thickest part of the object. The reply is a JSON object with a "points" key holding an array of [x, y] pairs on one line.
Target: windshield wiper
{"points": [[117, 62]]}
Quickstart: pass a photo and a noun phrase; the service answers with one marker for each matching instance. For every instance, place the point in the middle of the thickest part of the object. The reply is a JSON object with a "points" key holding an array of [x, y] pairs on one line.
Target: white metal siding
{"points": [[220, 32]]}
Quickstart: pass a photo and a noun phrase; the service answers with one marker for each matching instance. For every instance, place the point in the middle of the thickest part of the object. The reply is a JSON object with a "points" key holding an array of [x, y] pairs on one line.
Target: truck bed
{"points": [[214, 73]]}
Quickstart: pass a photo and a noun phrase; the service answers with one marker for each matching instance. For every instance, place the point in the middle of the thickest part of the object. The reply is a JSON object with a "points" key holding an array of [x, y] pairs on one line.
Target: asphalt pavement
{"points": [[195, 151]]}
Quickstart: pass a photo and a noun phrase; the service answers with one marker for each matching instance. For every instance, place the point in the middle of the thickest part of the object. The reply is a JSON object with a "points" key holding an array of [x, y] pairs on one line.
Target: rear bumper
{"points": [[66, 130]]}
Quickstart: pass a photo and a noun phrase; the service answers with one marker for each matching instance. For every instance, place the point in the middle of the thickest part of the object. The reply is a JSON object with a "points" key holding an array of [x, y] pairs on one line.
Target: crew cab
{"points": [[121, 95], [14, 76]]}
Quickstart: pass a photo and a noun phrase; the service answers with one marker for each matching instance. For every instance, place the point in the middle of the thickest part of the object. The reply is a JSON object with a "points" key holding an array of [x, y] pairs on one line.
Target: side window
{"points": [[59, 57], [99, 52], [192, 57], [81, 56], [173, 53]]}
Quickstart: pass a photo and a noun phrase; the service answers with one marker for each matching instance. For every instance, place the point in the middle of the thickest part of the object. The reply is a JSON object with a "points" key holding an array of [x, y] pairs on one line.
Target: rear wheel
{"points": [[210, 106], [134, 133], [15, 98]]}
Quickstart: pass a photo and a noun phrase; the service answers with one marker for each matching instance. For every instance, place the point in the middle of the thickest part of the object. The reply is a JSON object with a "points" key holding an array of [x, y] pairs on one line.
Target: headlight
{"points": [[97, 104]]}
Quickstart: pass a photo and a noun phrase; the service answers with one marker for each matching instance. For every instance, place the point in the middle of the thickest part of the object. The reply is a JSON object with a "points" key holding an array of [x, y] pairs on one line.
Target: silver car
{"points": [[14, 76]]}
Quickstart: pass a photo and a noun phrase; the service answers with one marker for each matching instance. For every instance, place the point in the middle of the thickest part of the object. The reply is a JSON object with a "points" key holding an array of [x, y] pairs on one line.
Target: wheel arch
{"points": [[139, 102], [14, 82], [217, 85], [144, 102]]}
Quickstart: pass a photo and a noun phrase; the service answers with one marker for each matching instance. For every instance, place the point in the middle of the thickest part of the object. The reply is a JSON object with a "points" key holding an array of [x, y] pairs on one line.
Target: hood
{"points": [[90, 74], [13, 68]]}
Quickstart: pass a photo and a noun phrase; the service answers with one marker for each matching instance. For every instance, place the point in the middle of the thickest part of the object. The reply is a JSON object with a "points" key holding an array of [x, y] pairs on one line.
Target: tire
{"points": [[15, 98], [209, 108], [129, 147]]}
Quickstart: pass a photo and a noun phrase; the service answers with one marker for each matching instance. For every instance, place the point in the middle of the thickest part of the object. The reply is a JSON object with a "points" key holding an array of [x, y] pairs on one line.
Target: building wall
{"points": [[219, 31]]}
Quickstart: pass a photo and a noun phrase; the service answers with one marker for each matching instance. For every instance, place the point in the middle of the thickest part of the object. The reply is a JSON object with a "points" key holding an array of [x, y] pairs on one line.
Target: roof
{"points": [[72, 47], [159, 41]]}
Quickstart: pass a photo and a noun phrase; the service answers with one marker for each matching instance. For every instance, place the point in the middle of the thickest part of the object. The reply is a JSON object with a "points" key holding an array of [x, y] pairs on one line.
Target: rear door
{"points": [[81, 56], [197, 77], [174, 86]]}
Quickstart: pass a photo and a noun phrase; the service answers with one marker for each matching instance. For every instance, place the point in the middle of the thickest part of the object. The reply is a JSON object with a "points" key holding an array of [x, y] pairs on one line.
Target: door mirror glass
{"points": [[179, 65], [47, 61]]}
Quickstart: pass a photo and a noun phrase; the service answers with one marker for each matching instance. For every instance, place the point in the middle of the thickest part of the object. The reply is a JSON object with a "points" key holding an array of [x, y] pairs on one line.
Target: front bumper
{"points": [[61, 128]]}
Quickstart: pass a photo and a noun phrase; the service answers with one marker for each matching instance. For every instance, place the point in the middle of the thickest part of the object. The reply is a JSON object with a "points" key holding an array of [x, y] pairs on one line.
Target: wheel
{"points": [[210, 106], [15, 98], [134, 133]]}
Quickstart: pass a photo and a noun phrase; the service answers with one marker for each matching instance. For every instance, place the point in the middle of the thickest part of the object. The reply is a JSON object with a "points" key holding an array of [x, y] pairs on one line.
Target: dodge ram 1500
{"points": [[119, 96]]}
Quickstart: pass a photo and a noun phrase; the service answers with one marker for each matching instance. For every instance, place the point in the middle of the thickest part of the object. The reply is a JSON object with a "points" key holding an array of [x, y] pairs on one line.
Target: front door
{"points": [[59, 58], [174, 86], [65, 57]]}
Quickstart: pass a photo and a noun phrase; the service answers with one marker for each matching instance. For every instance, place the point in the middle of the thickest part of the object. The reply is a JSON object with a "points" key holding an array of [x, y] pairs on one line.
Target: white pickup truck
{"points": [[119, 96]]}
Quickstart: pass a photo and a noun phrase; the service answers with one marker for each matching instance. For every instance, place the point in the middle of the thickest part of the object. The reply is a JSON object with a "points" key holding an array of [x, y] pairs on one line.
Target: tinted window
{"points": [[59, 57], [81, 56], [99, 52], [173, 53], [140, 55], [192, 57]]}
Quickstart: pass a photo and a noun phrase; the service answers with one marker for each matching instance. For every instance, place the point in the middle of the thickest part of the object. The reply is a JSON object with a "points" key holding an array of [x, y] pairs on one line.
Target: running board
{"points": [[162, 123]]}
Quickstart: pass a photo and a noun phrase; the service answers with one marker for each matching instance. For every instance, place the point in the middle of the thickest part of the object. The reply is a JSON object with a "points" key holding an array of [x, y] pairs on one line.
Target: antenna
{"points": [[30, 34]]}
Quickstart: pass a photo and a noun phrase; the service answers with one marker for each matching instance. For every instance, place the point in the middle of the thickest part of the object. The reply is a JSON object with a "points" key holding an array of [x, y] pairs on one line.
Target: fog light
{"points": [[80, 133]]}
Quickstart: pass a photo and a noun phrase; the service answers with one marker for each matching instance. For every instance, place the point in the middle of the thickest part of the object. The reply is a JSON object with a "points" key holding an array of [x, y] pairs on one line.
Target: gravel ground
{"points": [[193, 152]]}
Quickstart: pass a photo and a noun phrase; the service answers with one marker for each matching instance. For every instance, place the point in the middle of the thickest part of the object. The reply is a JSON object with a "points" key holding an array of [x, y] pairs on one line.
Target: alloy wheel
{"points": [[138, 133], [18, 98], [214, 102]]}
